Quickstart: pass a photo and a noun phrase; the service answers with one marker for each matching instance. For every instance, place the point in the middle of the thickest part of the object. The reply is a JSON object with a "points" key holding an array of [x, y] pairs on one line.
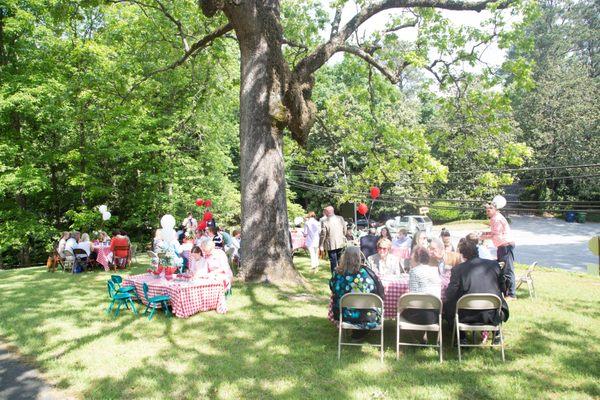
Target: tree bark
{"points": [[265, 246]]}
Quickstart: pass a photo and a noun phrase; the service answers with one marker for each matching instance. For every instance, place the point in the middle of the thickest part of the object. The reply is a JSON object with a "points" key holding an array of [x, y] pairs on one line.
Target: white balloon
{"points": [[167, 221], [106, 216], [298, 220], [499, 201], [168, 235], [102, 209]]}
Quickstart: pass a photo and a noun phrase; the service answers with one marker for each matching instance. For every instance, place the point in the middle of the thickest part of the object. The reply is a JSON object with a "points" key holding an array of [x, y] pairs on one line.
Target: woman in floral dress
{"points": [[351, 276]]}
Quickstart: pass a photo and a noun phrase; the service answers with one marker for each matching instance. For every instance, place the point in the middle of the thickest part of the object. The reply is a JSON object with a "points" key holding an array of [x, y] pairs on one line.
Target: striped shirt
{"points": [[425, 279]]}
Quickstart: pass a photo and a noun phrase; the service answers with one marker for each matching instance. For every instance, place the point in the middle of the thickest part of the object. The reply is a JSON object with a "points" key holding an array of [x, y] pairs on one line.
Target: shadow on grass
{"points": [[271, 344]]}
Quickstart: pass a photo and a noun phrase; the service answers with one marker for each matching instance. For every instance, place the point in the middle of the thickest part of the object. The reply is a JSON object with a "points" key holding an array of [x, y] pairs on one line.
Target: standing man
{"points": [[502, 238], [333, 236], [189, 223]]}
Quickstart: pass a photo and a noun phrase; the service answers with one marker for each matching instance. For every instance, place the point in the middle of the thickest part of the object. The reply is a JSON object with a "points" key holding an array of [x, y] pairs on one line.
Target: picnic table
{"points": [[394, 287], [188, 297], [104, 257]]}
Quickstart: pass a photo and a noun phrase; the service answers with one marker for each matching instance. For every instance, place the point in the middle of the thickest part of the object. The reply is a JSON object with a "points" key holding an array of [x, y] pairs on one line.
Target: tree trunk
{"points": [[265, 246]]}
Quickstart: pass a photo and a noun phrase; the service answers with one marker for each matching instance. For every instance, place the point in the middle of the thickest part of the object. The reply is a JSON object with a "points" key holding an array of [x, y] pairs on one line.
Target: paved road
{"points": [[19, 381], [551, 242]]}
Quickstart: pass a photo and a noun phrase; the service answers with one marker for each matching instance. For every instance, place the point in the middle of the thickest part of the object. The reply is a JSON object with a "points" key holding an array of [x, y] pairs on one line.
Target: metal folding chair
{"points": [[360, 301], [69, 260], [419, 301], [528, 279], [478, 302]]}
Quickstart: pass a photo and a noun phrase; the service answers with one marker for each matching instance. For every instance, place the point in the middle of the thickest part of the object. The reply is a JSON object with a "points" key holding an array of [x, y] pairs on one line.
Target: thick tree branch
{"points": [[321, 54]]}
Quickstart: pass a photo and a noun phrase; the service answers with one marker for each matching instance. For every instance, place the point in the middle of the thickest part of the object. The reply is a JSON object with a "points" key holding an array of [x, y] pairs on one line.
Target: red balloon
{"points": [[202, 225], [207, 203], [207, 216], [375, 192], [199, 202], [362, 209]]}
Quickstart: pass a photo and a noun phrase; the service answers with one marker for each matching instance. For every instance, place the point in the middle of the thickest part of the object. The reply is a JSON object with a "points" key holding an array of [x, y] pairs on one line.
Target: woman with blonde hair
{"points": [[383, 262], [352, 276], [213, 263]]}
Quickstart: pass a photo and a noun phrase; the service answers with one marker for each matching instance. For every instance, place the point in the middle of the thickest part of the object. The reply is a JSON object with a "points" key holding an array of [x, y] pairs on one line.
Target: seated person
{"points": [[384, 263], [103, 238], [119, 240], [85, 244], [71, 243], [482, 250], [352, 277], [439, 257], [385, 234], [368, 243], [212, 264], [194, 261], [157, 241], [216, 237], [475, 275], [423, 278], [403, 240], [60, 248]]}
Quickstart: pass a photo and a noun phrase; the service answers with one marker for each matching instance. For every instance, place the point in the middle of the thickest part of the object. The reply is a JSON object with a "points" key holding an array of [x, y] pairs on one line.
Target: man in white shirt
{"points": [[72, 241], [189, 223]]}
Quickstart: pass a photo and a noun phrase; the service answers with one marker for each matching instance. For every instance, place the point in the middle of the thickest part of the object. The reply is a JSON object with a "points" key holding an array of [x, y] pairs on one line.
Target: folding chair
{"points": [[528, 279], [81, 255], [420, 301], [58, 260], [69, 260], [478, 302], [122, 262], [133, 251], [361, 301]]}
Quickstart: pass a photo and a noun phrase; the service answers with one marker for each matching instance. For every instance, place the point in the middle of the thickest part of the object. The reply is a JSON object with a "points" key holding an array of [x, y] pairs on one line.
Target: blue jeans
{"points": [[334, 258], [505, 253]]}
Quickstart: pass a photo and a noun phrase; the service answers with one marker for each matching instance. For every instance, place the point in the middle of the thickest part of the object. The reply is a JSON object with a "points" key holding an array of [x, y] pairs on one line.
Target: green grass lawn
{"points": [[279, 344]]}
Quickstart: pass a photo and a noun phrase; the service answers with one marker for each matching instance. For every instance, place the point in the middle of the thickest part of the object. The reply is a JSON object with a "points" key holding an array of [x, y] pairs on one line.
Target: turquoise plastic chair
{"points": [[118, 280], [154, 302], [119, 298]]}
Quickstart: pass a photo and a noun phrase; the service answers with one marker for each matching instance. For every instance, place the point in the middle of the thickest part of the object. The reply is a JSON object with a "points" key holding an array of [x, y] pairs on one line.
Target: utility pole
{"points": [[346, 182]]}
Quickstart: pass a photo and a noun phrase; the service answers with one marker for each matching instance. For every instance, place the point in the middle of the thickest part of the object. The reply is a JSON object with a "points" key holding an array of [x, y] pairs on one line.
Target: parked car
{"points": [[363, 223], [412, 223]]}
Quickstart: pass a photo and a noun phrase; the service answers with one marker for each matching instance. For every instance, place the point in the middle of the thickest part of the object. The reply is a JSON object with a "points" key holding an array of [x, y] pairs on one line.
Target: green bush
{"points": [[439, 214]]}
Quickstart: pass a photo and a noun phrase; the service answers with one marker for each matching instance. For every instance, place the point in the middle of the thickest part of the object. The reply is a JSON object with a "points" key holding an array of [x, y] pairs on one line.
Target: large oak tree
{"points": [[275, 96]]}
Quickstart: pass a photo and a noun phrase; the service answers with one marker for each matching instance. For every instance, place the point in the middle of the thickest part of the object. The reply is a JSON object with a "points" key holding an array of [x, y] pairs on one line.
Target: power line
{"points": [[388, 200], [524, 169]]}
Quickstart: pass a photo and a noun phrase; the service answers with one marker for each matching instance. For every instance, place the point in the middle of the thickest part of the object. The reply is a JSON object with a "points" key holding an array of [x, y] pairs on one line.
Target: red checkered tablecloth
{"points": [[104, 257], [187, 297], [401, 252], [395, 287]]}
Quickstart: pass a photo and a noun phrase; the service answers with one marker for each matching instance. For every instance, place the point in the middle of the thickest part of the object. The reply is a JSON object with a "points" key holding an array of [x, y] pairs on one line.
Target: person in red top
{"points": [[502, 238], [119, 239]]}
